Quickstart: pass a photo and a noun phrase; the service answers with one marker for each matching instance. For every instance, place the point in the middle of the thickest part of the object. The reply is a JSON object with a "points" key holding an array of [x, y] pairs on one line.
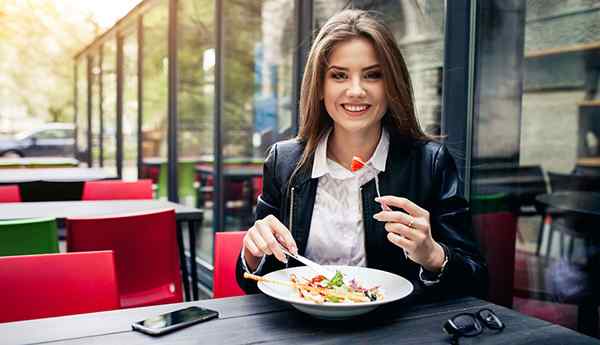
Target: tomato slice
{"points": [[357, 164]]}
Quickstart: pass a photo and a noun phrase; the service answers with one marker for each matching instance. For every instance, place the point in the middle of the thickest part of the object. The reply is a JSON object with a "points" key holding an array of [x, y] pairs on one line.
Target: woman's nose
{"points": [[355, 88]]}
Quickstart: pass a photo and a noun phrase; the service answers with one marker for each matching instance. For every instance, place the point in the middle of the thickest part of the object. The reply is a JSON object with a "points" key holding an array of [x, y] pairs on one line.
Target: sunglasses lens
{"points": [[490, 319], [466, 325]]}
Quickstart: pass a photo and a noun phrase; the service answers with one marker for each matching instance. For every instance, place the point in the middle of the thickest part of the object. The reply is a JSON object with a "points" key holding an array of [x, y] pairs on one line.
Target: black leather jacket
{"points": [[423, 172]]}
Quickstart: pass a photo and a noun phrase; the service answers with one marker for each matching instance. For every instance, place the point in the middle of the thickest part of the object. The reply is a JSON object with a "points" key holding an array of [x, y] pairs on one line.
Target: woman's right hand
{"points": [[264, 238]]}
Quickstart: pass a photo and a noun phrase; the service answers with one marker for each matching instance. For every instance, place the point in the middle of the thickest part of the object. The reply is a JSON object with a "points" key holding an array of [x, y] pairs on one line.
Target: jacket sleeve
{"points": [[466, 271], [268, 203]]}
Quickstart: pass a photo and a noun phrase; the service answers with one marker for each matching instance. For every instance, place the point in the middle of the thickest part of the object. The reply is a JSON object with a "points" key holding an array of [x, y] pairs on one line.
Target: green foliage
{"points": [[37, 43]]}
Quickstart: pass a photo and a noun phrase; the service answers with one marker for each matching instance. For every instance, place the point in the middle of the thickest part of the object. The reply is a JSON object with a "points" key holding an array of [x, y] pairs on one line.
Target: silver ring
{"points": [[410, 224]]}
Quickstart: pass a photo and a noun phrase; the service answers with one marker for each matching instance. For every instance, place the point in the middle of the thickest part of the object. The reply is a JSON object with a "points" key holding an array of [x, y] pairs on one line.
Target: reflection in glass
{"points": [[109, 106], [130, 107], [535, 149], [257, 88], [418, 27], [195, 111], [82, 114], [155, 85]]}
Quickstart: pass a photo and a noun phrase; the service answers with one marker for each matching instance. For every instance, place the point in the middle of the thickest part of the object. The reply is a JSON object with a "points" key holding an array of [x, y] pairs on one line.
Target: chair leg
{"points": [[571, 248], [540, 237], [562, 244], [549, 245]]}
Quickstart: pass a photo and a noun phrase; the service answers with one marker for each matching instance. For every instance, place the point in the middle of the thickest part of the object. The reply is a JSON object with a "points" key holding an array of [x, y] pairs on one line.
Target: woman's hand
{"points": [[264, 238], [411, 232]]}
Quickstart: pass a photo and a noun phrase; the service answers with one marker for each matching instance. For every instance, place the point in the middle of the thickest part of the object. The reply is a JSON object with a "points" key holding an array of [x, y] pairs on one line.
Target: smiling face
{"points": [[354, 92]]}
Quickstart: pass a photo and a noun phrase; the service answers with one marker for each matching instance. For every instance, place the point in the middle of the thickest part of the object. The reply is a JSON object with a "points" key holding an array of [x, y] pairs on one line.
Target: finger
{"points": [[401, 242], [403, 203], [404, 231], [251, 247], [257, 237], [282, 234], [266, 231], [401, 217]]}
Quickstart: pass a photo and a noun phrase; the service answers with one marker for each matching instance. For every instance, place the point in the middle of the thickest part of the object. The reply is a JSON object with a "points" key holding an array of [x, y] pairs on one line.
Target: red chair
{"points": [[46, 285], [117, 190], [227, 250], [10, 193], [146, 253]]}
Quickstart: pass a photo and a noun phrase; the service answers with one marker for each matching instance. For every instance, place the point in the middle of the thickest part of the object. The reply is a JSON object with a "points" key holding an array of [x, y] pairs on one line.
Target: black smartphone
{"points": [[165, 323]]}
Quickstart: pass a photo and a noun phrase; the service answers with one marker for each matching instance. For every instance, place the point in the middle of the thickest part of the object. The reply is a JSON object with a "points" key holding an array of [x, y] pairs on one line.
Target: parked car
{"points": [[52, 139]]}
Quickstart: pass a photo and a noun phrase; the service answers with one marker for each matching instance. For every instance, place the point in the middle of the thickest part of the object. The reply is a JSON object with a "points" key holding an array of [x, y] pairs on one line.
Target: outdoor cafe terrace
{"points": [[123, 220]]}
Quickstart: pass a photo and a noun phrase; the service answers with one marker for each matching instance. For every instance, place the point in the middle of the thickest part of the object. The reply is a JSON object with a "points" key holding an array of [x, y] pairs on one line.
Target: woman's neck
{"points": [[342, 146]]}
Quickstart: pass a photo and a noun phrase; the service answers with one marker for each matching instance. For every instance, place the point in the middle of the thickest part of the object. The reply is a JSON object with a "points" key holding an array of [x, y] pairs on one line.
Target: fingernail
{"points": [[376, 216], [377, 199]]}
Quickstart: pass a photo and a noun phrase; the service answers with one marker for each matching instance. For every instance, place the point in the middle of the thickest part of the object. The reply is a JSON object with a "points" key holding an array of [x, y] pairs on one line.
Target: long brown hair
{"points": [[400, 119]]}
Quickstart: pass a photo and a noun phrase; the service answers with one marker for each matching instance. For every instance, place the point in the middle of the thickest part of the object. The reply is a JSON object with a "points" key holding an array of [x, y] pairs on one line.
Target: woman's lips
{"points": [[356, 109]]}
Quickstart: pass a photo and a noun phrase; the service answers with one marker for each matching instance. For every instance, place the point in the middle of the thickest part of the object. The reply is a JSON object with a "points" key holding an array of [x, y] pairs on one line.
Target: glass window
{"points": [[130, 107], [535, 150], [82, 114], [155, 88], [258, 54], [196, 61], [418, 27], [109, 105]]}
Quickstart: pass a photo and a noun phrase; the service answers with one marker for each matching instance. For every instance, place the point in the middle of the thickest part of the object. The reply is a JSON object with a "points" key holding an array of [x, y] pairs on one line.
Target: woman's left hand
{"points": [[411, 232]]}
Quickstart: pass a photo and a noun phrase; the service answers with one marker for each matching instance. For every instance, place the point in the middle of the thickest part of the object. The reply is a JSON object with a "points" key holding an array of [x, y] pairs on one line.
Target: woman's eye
{"points": [[338, 75], [374, 75]]}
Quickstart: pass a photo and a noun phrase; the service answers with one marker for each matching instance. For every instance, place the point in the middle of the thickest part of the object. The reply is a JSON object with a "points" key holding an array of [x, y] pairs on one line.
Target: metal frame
{"points": [[218, 197], [100, 103], [140, 90], [172, 187], [89, 60], [304, 29], [457, 89], [119, 105], [75, 105]]}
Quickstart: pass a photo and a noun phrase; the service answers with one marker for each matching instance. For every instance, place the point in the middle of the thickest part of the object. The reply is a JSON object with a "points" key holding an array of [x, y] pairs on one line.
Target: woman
{"points": [[356, 100]]}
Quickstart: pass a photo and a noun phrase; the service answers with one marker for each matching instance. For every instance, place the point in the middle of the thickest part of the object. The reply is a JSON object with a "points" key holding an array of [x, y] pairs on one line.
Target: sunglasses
{"points": [[471, 324]]}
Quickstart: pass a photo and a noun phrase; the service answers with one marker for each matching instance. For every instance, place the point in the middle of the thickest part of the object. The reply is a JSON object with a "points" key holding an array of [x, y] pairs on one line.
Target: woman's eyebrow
{"points": [[346, 69]]}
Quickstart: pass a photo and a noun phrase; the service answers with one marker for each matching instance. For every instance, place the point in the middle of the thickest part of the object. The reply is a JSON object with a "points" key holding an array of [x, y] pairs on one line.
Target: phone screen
{"points": [[174, 320]]}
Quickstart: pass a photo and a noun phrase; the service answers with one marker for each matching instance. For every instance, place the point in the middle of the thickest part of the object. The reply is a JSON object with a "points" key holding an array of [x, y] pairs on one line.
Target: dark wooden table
{"points": [[258, 319], [63, 209], [585, 206]]}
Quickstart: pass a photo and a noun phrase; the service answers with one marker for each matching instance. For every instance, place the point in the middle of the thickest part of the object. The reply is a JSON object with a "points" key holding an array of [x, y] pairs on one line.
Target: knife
{"points": [[327, 273]]}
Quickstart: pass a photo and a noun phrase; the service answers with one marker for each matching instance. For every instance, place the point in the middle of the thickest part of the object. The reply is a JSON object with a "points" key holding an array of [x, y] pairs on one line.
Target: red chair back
{"points": [[117, 190], [46, 285], [228, 246], [10, 193], [146, 253]]}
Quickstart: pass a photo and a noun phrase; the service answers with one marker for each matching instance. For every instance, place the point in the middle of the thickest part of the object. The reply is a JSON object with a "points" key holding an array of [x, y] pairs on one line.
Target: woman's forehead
{"points": [[353, 53]]}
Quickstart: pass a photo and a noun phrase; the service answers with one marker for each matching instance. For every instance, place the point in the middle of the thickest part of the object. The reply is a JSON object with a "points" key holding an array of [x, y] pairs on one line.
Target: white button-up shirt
{"points": [[337, 233]]}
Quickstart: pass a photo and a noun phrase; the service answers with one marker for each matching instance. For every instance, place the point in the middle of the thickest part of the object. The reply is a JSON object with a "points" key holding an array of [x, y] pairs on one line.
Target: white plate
{"points": [[393, 286]]}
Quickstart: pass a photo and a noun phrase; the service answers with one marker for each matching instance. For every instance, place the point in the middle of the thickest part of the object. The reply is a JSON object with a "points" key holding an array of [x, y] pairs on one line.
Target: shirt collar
{"points": [[377, 161]]}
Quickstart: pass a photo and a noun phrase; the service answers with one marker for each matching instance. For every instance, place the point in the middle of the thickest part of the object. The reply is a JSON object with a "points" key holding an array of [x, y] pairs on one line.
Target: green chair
{"points": [[28, 236]]}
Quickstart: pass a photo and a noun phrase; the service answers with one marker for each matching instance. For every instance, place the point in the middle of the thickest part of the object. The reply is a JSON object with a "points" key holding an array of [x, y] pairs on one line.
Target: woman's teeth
{"points": [[355, 108]]}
